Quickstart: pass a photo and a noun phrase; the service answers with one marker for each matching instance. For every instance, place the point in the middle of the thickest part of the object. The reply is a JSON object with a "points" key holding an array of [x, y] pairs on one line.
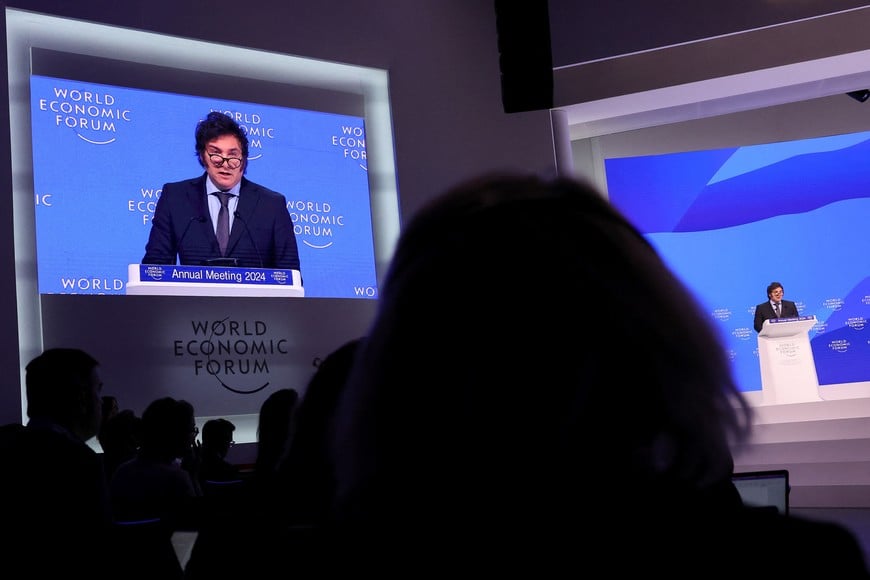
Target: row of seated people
{"points": [[174, 484], [470, 428], [152, 480]]}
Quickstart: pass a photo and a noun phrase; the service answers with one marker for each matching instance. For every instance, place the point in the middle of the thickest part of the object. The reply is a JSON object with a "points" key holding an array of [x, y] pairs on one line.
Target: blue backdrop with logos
{"points": [[102, 153]]}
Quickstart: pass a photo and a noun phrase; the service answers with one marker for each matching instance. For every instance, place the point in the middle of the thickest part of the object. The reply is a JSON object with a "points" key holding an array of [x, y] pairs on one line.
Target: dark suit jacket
{"points": [[764, 311], [261, 237]]}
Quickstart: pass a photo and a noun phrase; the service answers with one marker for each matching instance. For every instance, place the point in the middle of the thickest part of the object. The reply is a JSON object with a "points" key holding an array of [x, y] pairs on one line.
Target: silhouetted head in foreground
{"points": [[532, 359]]}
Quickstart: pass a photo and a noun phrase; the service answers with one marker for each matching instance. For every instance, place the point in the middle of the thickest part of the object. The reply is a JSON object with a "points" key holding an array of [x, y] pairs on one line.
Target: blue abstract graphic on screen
{"points": [[102, 153], [730, 221]]}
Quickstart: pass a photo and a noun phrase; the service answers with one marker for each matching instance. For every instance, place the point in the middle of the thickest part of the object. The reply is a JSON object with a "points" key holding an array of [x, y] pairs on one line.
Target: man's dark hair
{"points": [[772, 286], [54, 381], [216, 125]]}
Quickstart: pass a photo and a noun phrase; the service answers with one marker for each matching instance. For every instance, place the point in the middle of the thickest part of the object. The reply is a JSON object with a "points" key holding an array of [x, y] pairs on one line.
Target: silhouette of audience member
{"points": [[109, 407], [281, 508], [120, 438], [153, 484], [220, 550], [217, 438], [275, 428], [53, 488], [562, 404], [307, 482]]}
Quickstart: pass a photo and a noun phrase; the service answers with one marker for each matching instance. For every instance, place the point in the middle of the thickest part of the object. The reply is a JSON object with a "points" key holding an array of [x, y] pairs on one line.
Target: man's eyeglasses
{"points": [[218, 160]]}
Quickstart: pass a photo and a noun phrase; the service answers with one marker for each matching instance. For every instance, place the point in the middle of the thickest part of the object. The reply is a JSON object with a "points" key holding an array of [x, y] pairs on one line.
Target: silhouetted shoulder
{"points": [[805, 546]]}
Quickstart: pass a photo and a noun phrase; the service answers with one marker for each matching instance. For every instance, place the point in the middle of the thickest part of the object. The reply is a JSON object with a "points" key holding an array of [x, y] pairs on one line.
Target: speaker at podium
{"points": [[788, 369]]}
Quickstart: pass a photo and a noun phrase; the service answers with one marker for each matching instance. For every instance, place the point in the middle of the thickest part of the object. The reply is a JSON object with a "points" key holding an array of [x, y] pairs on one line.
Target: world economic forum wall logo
{"points": [[317, 223], [94, 116], [238, 353], [258, 129]]}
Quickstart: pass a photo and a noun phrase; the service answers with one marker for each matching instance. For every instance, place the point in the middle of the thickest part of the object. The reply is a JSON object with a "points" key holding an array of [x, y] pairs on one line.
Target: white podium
{"points": [[172, 280], [788, 370]]}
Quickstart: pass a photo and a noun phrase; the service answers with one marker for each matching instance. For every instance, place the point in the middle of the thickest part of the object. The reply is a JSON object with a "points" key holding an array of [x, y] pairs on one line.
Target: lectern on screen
{"points": [[788, 369], [172, 280]]}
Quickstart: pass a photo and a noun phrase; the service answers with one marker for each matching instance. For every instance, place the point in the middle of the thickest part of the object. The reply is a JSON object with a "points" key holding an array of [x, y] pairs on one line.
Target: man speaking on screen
{"points": [[221, 218]]}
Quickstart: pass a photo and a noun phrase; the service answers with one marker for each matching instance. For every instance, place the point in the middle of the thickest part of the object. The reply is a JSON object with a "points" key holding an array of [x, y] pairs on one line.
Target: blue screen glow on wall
{"points": [[730, 221]]}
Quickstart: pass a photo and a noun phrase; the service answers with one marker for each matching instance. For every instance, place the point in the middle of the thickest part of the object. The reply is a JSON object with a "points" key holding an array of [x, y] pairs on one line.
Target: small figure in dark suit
{"points": [[768, 309], [186, 219]]}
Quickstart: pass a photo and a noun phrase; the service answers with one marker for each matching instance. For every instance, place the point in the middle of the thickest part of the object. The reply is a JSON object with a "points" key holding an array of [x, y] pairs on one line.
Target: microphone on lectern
{"points": [[190, 222], [239, 217]]}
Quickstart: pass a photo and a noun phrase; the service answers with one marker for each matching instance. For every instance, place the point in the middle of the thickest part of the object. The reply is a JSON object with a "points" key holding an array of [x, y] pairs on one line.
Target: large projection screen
{"points": [[152, 346]]}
